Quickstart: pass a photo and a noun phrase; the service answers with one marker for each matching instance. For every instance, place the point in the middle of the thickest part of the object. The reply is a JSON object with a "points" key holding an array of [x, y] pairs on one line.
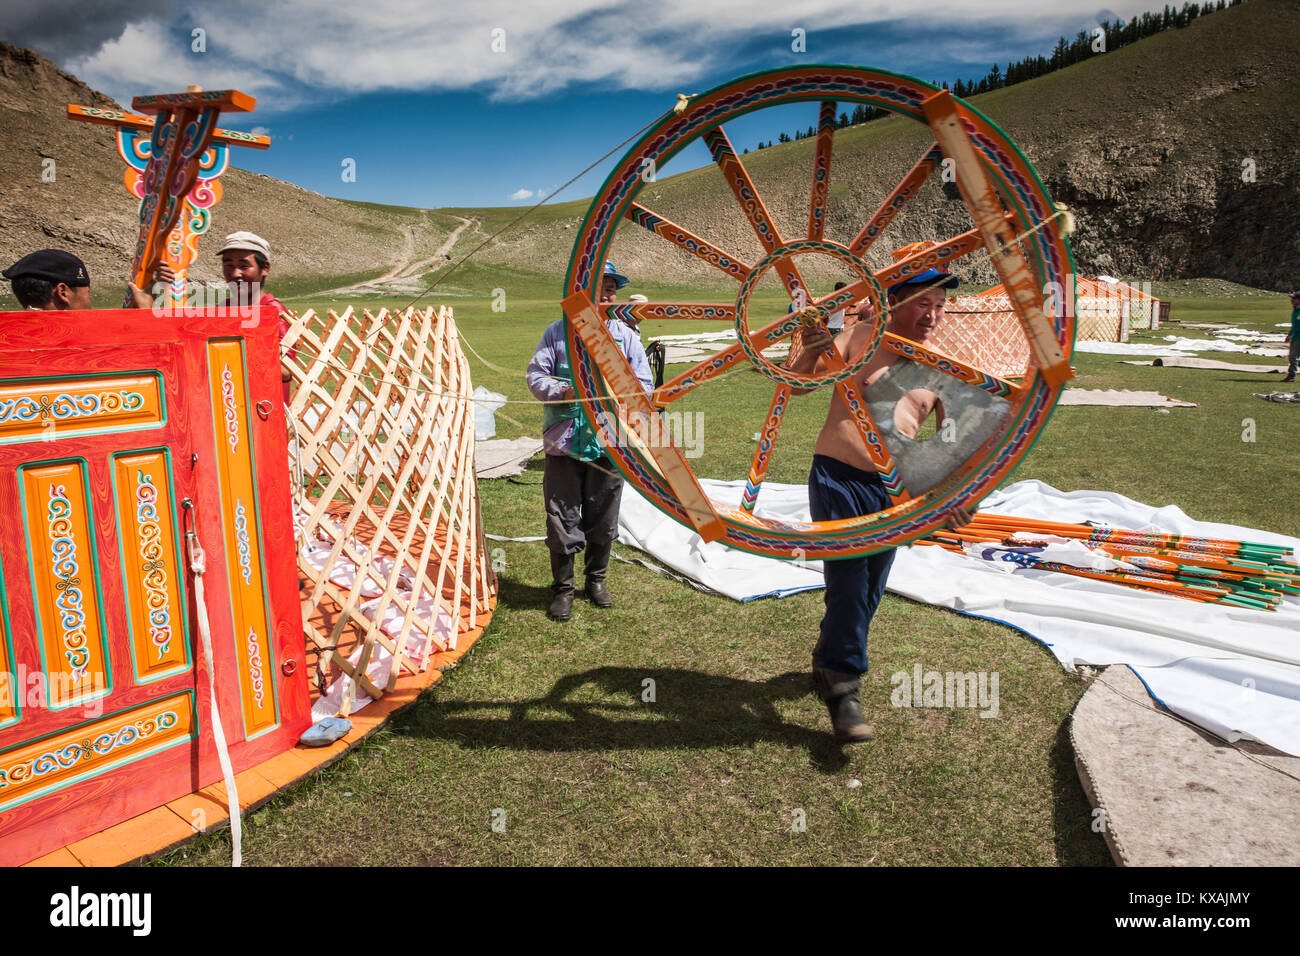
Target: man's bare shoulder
{"points": [[858, 334], [852, 341]]}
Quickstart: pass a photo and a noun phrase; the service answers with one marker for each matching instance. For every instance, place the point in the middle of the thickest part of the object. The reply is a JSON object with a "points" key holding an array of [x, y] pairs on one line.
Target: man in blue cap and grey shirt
{"points": [[581, 486], [843, 483]]}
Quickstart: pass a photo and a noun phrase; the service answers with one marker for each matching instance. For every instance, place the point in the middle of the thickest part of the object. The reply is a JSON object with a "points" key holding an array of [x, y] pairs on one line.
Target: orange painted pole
{"points": [[1158, 586], [1187, 573], [182, 131], [821, 184], [896, 200]]}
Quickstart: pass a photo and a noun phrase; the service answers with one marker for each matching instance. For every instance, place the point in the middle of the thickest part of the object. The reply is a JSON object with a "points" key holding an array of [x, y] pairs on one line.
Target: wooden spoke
{"points": [[947, 251], [724, 360], [683, 311], [1008, 258], [872, 441], [933, 258], [669, 459], [963, 372], [697, 375], [844, 297], [737, 177], [742, 186], [766, 440], [821, 184], [684, 239], [890, 208]]}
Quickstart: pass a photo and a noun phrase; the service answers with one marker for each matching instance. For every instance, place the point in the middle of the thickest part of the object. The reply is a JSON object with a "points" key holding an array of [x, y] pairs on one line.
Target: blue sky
{"points": [[434, 116]]}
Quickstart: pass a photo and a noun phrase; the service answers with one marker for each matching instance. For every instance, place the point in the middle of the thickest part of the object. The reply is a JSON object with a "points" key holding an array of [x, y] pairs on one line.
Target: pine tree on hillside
{"points": [[1060, 52], [1117, 33]]}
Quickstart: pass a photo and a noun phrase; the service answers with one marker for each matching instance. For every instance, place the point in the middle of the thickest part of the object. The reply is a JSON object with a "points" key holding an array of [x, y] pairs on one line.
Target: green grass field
{"points": [[543, 729]]}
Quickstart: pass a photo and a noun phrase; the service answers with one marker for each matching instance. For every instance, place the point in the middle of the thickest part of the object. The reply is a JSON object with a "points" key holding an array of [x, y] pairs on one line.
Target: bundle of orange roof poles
{"points": [[1214, 570]]}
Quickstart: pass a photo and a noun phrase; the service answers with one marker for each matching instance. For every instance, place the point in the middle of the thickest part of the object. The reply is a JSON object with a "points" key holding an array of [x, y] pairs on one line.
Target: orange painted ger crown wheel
{"points": [[995, 420]]}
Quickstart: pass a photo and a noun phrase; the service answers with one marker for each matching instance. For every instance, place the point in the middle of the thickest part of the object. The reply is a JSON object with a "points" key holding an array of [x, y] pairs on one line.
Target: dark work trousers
{"points": [[581, 502], [854, 586]]}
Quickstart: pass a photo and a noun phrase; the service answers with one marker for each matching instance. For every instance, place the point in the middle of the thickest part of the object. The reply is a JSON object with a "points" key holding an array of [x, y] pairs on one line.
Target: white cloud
{"points": [[64, 29], [299, 50], [522, 194], [260, 131], [146, 59]]}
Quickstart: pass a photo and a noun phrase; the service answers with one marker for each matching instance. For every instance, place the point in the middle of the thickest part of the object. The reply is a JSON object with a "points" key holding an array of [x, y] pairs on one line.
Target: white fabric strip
{"points": [[198, 564]]}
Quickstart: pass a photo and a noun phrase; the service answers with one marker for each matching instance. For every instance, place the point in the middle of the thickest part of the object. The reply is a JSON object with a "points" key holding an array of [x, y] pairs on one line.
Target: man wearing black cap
{"points": [[843, 483], [50, 279]]}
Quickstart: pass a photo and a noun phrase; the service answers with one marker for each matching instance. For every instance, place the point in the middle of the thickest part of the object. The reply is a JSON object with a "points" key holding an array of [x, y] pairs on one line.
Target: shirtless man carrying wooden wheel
{"points": [[843, 484]]}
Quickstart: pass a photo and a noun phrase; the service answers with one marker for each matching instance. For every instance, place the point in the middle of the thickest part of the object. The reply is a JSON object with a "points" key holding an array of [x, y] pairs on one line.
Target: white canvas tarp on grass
{"points": [[1233, 671]]}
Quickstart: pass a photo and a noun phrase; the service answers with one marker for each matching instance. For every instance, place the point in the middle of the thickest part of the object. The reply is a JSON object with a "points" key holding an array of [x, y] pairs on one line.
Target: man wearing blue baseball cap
{"points": [[581, 486], [843, 483]]}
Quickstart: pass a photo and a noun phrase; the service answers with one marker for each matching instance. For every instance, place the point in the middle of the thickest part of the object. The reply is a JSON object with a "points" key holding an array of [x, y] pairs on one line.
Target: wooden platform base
{"points": [[167, 827]]}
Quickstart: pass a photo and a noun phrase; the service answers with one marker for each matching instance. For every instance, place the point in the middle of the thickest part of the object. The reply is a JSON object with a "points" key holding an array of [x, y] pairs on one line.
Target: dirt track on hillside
{"points": [[404, 268]]}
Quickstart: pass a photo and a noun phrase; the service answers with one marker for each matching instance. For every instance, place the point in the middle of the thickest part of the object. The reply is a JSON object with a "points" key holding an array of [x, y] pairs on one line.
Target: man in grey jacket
{"points": [[581, 486]]}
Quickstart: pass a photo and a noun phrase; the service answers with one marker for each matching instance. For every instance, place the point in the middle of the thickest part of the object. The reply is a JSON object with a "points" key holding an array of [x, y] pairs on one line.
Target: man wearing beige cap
{"points": [[245, 264]]}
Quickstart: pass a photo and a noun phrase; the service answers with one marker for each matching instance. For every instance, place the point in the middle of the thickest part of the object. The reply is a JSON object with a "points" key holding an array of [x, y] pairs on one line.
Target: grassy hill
{"points": [[1145, 143]]}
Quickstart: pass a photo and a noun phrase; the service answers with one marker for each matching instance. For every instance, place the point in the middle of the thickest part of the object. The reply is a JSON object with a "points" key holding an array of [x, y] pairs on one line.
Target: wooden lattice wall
{"points": [[985, 331], [388, 526]]}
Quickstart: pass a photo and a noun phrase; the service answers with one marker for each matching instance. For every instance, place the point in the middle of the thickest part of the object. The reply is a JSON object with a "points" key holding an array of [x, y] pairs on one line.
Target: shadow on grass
{"points": [[689, 710], [515, 594], [1076, 843]]}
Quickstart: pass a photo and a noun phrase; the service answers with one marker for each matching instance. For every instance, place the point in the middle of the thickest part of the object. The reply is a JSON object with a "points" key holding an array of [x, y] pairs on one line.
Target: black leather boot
{"points": [[840, 691], [595, 566], [561, 608]]}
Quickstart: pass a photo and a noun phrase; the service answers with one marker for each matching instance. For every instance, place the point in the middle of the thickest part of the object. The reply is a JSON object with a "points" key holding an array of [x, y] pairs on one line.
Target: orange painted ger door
{"points": [[120, 431]]}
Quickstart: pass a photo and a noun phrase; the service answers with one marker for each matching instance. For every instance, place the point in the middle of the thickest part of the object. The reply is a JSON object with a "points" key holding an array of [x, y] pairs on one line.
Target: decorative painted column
{"points": [[172, 170]]}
